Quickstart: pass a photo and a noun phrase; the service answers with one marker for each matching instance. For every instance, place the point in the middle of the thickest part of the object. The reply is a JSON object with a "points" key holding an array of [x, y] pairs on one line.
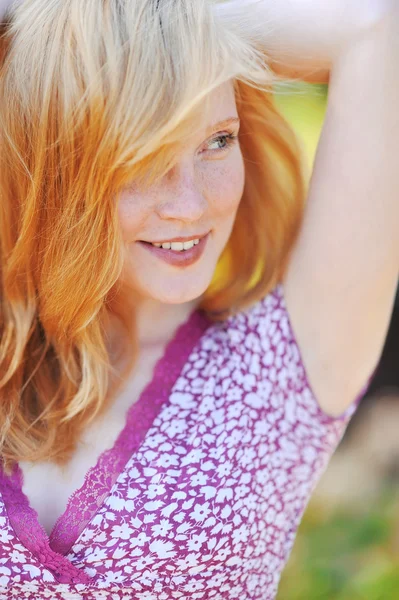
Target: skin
{"points": [[200, 194], [307, 35], [303, 38]]}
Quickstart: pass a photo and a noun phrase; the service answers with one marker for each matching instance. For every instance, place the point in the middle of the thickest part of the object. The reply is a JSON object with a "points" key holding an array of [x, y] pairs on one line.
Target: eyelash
{"points": [[231, 139]]}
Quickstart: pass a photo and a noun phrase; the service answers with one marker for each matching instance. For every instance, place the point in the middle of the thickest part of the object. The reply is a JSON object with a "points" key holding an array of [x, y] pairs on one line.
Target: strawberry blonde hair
{"points": [[94, 95]]}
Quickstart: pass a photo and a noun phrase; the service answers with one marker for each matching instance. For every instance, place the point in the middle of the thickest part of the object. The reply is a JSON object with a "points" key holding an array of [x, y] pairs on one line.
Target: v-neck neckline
{"points": [[84, 503]]}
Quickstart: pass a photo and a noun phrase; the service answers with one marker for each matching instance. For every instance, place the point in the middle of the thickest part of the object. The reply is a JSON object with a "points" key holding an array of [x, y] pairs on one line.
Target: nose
{"points": [[182, 195]]}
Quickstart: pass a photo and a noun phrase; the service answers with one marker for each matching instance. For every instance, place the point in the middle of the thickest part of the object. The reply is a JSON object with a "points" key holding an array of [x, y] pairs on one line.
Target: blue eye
{"points": [[228, 138]]}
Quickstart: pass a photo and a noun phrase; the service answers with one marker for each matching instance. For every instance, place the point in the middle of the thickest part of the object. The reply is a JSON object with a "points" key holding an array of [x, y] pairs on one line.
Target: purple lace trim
{"points": [[31, 534], [84, 503]]}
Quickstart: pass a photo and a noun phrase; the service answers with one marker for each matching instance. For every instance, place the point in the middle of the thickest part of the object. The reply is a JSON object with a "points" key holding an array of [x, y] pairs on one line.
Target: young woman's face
{"points": [[198, 197]]}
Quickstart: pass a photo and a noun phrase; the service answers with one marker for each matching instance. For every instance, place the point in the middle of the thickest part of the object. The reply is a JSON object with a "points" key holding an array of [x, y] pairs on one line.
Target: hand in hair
{"points": [[303, 38]]}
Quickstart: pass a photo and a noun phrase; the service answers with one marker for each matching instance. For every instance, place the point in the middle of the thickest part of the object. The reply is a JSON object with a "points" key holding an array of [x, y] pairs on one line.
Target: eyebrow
{"points": [[221, 124]]}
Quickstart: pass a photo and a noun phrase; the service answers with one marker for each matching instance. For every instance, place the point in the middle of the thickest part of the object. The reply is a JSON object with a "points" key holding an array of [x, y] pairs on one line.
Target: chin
{"points": [[181, 298], [170, 291]]}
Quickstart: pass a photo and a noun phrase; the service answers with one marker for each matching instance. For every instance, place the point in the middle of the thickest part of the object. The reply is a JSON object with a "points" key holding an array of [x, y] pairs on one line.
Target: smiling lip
{"points": [[179, 239], [178, 258]]}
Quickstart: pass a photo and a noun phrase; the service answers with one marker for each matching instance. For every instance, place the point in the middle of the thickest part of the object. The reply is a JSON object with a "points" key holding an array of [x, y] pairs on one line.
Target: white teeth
{"points": [[188, 245], [177, 246]]}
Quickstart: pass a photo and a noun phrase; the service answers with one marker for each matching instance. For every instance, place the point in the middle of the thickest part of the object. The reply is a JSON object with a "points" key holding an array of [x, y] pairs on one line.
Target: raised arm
{"points": [[341, 282], [302, 38]]}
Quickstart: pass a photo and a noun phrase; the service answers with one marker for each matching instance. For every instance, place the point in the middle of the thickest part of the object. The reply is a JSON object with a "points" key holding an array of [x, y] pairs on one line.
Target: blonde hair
{"points": [[94, 95]]}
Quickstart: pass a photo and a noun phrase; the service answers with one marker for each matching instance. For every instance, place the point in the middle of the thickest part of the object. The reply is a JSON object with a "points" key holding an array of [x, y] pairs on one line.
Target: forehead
{"points": [[223, 95], [221, 105]]}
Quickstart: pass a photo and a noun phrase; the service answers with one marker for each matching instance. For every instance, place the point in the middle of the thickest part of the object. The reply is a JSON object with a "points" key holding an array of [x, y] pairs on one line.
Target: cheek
{"points": [[228, 186], [132, 212]]}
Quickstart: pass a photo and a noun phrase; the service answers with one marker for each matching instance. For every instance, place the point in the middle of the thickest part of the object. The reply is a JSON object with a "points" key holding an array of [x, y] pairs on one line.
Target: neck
{"points": [[155, 322]]}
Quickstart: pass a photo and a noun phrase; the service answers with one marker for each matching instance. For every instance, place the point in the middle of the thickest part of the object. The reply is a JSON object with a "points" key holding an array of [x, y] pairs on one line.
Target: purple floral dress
{"points": [[203, 491]]}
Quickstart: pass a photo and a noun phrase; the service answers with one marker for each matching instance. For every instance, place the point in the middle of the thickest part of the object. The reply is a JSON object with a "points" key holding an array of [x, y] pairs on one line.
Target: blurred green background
{"points": [[347, 546]]}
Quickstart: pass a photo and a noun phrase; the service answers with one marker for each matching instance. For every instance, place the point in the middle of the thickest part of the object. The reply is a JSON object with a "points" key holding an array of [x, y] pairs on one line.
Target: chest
{"points": [[49, 486]]}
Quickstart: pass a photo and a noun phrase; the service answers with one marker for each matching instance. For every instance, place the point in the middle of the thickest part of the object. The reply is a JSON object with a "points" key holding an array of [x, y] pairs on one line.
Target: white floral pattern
{"points": [[209, 505]]}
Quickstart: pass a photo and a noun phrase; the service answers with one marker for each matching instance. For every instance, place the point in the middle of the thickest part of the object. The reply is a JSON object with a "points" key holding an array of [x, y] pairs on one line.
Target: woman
{"points": [[184, 338]]}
